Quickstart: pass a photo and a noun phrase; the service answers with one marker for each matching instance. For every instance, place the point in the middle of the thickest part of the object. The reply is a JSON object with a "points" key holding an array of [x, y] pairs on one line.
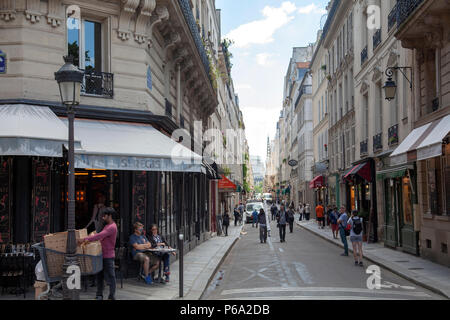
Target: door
{"points": [[390, 230]]}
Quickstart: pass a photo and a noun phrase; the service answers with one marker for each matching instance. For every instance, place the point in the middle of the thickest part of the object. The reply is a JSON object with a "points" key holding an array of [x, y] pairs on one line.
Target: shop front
{"points": [[361, 195], [319, 187]]}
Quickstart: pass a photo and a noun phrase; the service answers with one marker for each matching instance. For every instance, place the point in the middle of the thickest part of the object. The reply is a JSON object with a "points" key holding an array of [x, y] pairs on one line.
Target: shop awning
{"points": [[317, 182], [362, 170], [226, 185], [127, 146], [211, 173], [422, 143], [29, 130], [393, 173]]}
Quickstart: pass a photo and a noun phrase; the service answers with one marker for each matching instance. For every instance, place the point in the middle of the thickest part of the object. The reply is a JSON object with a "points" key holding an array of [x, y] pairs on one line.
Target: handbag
{"points": [[347, 229]]}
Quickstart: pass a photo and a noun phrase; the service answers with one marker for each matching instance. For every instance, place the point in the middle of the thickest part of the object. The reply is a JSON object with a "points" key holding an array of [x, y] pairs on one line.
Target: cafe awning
{"points": [[422, 143], [317, 182], [363, 170], [30, 130], [127, 146]]}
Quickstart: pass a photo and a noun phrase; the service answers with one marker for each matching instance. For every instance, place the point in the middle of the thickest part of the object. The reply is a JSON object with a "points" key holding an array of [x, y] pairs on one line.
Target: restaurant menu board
{"points": [[139, 196], [41, 200], [5, 208]]}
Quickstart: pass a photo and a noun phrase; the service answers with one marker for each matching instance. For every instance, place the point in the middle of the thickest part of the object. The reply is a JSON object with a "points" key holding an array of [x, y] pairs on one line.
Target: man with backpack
{"points": [[291, 218], [356, 233], [342, 221]]}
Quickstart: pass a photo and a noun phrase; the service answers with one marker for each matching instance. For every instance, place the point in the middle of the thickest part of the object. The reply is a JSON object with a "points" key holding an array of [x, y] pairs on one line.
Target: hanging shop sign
{"points": [[293, 163], [41, 199], [5, 204]]}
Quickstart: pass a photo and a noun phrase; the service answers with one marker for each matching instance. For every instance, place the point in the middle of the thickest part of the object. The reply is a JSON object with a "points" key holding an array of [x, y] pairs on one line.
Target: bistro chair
{"points": [[120, 263]]}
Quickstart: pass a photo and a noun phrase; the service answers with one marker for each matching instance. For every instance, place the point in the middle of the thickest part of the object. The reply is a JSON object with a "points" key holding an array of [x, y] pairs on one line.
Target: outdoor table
{"points": [[161, 250]]}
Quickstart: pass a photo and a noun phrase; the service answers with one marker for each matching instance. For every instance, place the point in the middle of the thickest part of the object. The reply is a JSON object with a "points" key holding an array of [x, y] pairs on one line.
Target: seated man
{"points": [[139, 243]]}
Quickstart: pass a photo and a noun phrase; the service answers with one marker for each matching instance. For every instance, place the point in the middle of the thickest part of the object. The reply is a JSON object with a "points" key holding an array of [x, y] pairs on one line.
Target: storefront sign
{"points": [[139, 197], [135, 164], [41, 200], [5, 207], [2, 62], [293, 163], [226, 184]]}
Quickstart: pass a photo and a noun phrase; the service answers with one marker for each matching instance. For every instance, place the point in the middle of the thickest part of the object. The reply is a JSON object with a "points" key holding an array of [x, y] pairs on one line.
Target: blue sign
{"points": [[149, 78], [2, 62]]}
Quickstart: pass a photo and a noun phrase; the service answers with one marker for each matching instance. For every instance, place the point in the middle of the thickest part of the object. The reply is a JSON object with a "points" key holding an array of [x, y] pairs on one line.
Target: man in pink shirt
{"points": [[108, 240]]}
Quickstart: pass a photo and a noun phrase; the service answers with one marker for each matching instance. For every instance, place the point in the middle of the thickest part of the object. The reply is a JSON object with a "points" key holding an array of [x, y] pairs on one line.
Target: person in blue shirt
{"points": [[342, 221], [255, 218], [138, 244]]}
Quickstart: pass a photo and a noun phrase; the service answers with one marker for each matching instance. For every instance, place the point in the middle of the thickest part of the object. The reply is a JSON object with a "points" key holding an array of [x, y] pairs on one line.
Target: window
{"points": [[365, 119], [85, 44], [378, 109], [393, 105]]}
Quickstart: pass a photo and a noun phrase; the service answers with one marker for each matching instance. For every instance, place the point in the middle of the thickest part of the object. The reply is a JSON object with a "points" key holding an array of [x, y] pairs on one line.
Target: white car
{"points": [[249, 208]]}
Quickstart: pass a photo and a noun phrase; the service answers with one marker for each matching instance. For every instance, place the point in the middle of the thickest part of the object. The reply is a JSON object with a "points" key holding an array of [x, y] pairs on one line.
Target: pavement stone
{"points": [[428, 274]]}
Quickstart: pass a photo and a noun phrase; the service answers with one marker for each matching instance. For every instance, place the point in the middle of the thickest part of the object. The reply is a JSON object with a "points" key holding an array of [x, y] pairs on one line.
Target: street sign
{"points": [[2, 62], [293, 163]]}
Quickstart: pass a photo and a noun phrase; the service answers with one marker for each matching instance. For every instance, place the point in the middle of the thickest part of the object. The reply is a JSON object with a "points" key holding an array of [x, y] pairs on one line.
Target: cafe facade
{"points": [[144, 81]]}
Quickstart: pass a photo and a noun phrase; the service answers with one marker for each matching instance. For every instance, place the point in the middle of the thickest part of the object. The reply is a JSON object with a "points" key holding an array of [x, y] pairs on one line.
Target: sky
{"points": [[264, 33]]}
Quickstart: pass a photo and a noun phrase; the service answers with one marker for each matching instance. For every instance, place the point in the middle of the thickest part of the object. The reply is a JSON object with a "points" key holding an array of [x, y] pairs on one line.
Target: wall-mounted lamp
{"points": [[390, 87]]}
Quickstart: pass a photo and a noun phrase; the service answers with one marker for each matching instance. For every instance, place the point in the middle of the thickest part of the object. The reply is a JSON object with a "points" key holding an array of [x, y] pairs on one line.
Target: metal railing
{"points": [[406, 8], [99, 84], [189, 17], [393, 135], [376, 39], [364, 147], [377, 142], [330, 18], [392, 18], [364, 55]]}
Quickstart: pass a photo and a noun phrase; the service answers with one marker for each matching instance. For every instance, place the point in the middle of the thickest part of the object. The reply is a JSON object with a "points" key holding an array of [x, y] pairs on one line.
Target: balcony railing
{"points": [[364, 147], [405, 8], [364, 55], [393, 135], [377, 142], [376, 39], [99, 84], [330, 18], [392, 18], [189, 17]]}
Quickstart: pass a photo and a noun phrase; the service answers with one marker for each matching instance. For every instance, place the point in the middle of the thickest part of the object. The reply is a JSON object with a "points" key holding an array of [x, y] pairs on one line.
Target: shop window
{"points": [[428, 244], [407, 201], [435, 185]]}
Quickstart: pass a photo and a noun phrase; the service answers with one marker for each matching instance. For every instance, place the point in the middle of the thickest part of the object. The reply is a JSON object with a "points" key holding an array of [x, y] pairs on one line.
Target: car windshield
{"points": [[253, 206]]}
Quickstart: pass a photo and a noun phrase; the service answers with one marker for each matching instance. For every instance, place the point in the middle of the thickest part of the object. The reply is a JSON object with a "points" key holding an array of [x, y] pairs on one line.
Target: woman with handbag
{"points": [[156, 241]]}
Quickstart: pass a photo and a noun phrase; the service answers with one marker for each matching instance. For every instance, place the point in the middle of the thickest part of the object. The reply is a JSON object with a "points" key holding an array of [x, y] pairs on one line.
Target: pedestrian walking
{"points": [[262, 226], [342, 221], [320, 215], [273, 210], [236, 216], [107, 239], [226, 222], [255, 218], [307, 212], [356, 236], [282, 219], [300, 211], [334, 224], [291, 218]]}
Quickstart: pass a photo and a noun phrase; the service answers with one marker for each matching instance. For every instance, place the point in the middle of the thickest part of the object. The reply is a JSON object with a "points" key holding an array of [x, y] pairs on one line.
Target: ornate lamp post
{"points": [[69, 79], [390, 87]]}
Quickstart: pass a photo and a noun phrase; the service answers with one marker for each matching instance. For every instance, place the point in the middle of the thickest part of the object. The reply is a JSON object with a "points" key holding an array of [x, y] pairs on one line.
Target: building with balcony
{"points": [[147, 67]]}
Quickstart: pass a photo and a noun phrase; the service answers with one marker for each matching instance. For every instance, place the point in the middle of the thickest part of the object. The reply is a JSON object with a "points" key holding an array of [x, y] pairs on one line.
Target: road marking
{"points": [[281, 249], [303, 273], [313, 298], [323, 289]]}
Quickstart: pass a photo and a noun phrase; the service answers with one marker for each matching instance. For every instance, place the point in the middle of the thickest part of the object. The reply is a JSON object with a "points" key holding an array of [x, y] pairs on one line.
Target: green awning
{"points": [[393, 173]]}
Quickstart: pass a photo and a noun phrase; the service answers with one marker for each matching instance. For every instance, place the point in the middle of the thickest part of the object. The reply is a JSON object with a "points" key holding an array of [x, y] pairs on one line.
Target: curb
{"points": [[211, 277], [386, 266]]}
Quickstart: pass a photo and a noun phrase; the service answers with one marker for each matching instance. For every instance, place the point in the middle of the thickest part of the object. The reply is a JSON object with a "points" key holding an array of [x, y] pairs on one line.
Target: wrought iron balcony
{"points": [[189, 17], [330, 18], [364, 147], [405, 8], [376, 39], [393, 135], [364, 55], [99, 84], [392, 18], [378, 142]]}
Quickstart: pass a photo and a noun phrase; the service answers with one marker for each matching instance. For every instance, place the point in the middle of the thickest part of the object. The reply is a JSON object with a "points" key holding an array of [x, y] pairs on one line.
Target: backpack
{"points": [[357, 226]]}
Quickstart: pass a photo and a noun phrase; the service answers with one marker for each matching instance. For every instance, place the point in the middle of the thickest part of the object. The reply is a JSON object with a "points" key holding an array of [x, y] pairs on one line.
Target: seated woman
{"points": [[157, 241]]}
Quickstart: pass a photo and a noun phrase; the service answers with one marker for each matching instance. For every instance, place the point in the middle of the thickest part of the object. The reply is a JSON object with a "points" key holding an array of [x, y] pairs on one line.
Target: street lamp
{"points": [[390, 87], [69, 79]]}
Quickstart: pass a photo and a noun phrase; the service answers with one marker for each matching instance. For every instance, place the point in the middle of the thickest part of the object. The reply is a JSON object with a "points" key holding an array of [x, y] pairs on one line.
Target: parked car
{"points": [[249, 208], [268, 197]]}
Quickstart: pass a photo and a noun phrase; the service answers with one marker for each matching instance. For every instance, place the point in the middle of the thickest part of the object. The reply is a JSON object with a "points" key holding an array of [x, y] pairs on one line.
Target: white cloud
{"points": [[262, 31], [243, 86], [263, 59], [312, 8]]}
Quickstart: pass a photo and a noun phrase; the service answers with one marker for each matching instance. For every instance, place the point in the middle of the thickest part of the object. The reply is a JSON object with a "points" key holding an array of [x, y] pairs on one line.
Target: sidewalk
{"points": [[430, 275], [200, 265]]}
